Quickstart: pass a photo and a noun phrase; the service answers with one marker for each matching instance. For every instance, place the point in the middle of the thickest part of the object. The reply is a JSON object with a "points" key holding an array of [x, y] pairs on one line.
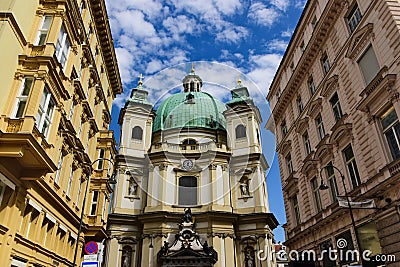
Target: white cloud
{"points": [[264, 70], [277, 45], [228, 7], [154, 65], [150, 8], [179, 25], [287, 33], [125, 63], [262, 15], [300, 4], [280, 4], [232, 34], [133, 23]]}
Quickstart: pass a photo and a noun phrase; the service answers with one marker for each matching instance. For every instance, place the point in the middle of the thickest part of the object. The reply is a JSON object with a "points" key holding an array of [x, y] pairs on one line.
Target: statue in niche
{"points": [[244, 187], [132, 190], [126, 257], [249, 257]]}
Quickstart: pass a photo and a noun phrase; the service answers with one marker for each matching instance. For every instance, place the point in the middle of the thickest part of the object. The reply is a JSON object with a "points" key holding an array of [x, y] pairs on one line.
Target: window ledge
{"points": [[187, 206]]}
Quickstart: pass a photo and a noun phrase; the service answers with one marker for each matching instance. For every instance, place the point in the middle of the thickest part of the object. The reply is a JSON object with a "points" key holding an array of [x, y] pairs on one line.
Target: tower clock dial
{"points": [[187, 164]]}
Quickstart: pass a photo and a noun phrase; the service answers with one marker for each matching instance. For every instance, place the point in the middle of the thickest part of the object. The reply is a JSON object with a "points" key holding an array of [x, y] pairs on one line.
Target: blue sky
{"points": [[224, 37]]}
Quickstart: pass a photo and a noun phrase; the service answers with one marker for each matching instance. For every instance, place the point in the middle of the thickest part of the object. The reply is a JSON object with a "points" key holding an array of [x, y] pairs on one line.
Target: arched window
{"points": [[189, 142], [126, 257], [137, 133], [187, 191], [240, 131]]}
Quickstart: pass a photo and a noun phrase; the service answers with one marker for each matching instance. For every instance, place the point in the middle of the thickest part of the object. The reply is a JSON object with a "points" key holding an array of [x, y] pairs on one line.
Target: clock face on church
{"points": [[187, 164]]}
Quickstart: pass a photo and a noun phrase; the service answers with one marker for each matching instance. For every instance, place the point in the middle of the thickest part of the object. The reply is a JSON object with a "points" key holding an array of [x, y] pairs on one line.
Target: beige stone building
{"points": [[58, 76], [335, 100], [193, 152]]}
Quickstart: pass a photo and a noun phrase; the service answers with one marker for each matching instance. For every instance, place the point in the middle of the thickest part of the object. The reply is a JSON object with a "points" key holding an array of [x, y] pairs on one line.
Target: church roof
{"points": [[190, 110]]}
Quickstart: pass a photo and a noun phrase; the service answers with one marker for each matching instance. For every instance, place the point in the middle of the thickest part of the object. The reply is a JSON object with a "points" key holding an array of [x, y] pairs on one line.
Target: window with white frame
{"points": [[22, 97], [302, 46], [80, 128], [43, 30], [307, 145], [45, 112], [296, 209], [71, 110], [18, 263], [100, 163], [300, 104], [240, 131], [2, 189], [82, 6], [311, 85], [369, 65], [93, 204], [352, 166], [187, 194], [289, 164], [326, 65], [317, 196], [103, 210], [335, 103], [137, 133], [59, 168], [320, 126], [109, 166], [354, 18], [391, 130], [70, 180], [78, 196], [332, 181], [63, 46], [284, 128]]}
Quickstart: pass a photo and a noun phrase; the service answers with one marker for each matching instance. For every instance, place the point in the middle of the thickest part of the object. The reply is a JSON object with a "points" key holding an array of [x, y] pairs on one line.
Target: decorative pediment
{"points": [[87, 112], [93, 127], [381, 84], [315, 107], [285, 147], [302, 124], [323, 150], [309, 165], [127, 240], [79, 94], [290, 182], [99, 94], [340, 132], [359, 40], [330, 85]]}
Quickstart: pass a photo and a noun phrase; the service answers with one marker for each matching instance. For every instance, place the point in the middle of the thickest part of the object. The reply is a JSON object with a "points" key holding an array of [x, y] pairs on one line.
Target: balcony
{"points": [[186, 149], [23, 149]]}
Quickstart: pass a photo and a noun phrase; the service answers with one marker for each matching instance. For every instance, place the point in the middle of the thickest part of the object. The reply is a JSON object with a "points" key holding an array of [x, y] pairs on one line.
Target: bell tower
{"points": [[136, 122]]}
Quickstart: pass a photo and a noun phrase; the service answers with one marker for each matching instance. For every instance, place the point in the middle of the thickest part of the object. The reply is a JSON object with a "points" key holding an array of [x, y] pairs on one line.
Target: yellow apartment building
{"points": [[59, 76]]}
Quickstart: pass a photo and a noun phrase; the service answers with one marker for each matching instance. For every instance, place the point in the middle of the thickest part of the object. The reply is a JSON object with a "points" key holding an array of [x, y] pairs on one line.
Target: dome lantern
{"points": [[192, 82]]}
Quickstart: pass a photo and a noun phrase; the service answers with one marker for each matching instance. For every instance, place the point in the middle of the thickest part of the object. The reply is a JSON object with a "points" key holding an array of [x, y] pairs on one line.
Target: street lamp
{"points": [[111, 180], [324, 186]]}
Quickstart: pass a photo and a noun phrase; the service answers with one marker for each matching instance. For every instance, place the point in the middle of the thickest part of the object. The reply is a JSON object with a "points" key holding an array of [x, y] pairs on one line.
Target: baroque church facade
{"points": [[191, 187]]}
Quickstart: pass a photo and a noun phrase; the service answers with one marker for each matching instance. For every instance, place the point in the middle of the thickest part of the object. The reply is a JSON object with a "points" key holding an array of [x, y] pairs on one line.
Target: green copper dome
{"points": [[190, 110]]}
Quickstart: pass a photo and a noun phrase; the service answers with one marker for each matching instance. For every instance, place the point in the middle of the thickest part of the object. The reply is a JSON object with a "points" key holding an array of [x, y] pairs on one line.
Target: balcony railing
{"points": [[191, 148]]}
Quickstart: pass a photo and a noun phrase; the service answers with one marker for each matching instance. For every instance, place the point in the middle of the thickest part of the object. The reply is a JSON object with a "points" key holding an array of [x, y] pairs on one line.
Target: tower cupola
{"points": [[192, 82]]}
